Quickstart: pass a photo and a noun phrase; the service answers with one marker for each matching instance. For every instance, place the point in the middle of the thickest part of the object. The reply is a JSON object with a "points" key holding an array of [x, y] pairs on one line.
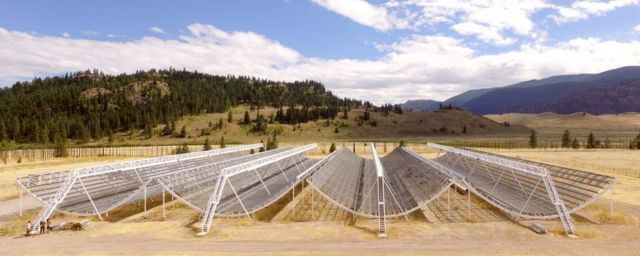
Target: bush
{"points": [[332, 148], [183, 149]]}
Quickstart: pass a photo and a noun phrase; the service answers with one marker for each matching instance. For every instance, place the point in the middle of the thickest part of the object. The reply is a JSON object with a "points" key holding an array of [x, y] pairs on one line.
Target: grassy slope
{"points": [[408, 126]]}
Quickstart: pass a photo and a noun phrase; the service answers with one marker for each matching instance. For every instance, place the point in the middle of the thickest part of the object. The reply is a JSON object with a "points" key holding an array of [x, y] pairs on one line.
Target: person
{"points": [[42, 224], [47, 226], [28, 229]]}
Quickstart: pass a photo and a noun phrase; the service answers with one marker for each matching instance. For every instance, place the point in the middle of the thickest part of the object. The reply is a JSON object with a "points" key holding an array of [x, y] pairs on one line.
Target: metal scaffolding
{"points": [[232, 182], [225, 174], [404, 185], [523, 189], [98, 189]]}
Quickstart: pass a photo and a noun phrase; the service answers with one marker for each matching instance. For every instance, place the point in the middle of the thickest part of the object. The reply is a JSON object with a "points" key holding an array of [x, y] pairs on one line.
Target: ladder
{"points": [[563, 213], [382, 225], [214, 200], [54, 201]]}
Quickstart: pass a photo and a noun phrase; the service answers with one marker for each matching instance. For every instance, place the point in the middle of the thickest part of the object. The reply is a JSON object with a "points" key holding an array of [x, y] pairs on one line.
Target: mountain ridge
{"points": [[561, 94]]}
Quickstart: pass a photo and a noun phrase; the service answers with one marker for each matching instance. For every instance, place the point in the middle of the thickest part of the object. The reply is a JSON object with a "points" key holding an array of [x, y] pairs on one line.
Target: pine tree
{"points": [[207, 145], [3, 131], [332, 148], [345, 113], [220, 124], [464, 129], [591, 141], [366, 116], [183, 132], [247, 118], [230, 117], [533, 139], [272, 143], [222, 143], [60, 149], [401, 143], [575, 144], [566, 139]]}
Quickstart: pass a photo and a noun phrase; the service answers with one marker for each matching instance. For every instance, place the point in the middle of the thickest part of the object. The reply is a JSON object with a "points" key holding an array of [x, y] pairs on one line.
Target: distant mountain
{"points": [[421, 105], [612, 91], [465, 97]]}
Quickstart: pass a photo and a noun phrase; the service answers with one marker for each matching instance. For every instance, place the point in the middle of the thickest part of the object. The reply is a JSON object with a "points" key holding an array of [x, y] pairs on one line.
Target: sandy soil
{"points": [[171, 237]]}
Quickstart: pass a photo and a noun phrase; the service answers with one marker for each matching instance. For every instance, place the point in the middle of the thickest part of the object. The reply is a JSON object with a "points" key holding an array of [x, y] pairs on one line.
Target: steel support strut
{"points": [[382, 218]]}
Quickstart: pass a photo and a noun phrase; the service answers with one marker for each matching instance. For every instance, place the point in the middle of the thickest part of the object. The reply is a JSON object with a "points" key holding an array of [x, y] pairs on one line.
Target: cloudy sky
{"points": [[383, 51]]}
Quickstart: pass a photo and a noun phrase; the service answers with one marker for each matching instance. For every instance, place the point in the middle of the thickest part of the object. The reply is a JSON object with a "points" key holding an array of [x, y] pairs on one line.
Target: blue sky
{"points": [[384, 51]]}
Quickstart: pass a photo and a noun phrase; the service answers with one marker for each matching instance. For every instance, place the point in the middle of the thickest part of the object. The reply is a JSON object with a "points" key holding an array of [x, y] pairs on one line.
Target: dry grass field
{"points": [[613, 126], [618, 234]]}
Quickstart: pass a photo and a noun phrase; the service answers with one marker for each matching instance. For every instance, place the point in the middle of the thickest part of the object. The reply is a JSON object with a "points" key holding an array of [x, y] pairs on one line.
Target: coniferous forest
{"points": [[90, 105]]}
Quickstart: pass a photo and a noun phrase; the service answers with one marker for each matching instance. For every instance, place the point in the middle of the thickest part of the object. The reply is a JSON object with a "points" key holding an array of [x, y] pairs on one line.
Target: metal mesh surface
{"points": [[349, 181], [114, 188], [522, 194]]}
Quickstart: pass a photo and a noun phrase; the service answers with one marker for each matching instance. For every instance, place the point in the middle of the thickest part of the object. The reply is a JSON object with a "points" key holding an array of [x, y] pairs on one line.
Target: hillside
{"points": [[380, 126], [421, 105], [89, 106], [613, 91]]}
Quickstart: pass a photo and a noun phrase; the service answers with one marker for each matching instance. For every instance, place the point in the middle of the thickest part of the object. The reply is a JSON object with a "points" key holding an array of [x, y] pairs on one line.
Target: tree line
{"points": [[90, 105]]}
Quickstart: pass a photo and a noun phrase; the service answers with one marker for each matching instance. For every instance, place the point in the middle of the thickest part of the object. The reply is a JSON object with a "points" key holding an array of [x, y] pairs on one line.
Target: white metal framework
{"points": [[231, 182], [228, 172], [382, 220], [523, 189], [97, 189], [352, 183]]}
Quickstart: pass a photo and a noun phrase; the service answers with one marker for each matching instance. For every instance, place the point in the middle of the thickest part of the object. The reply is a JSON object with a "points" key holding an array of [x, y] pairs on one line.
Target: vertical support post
{"points": [[468, 203], [449, 202], [145, 200], [610, 203], [20, 191], [163, 211], [293, 196]]}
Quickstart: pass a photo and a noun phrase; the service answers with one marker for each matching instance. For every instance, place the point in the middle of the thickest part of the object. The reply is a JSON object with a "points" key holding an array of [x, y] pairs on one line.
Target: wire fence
{"points": [[37, 155]]}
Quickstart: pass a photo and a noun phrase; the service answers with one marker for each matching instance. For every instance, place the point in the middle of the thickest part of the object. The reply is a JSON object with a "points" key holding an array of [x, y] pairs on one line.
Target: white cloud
{"points": [[364, 13], [433, 67], [494, 22], [157, 30], [582, 9], [484, 33], [65, 34], [637, 28]]}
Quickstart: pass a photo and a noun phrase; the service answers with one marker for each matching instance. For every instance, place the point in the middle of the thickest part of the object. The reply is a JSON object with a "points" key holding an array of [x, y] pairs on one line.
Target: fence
{"points": [[36, 155], [542, 145]]}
